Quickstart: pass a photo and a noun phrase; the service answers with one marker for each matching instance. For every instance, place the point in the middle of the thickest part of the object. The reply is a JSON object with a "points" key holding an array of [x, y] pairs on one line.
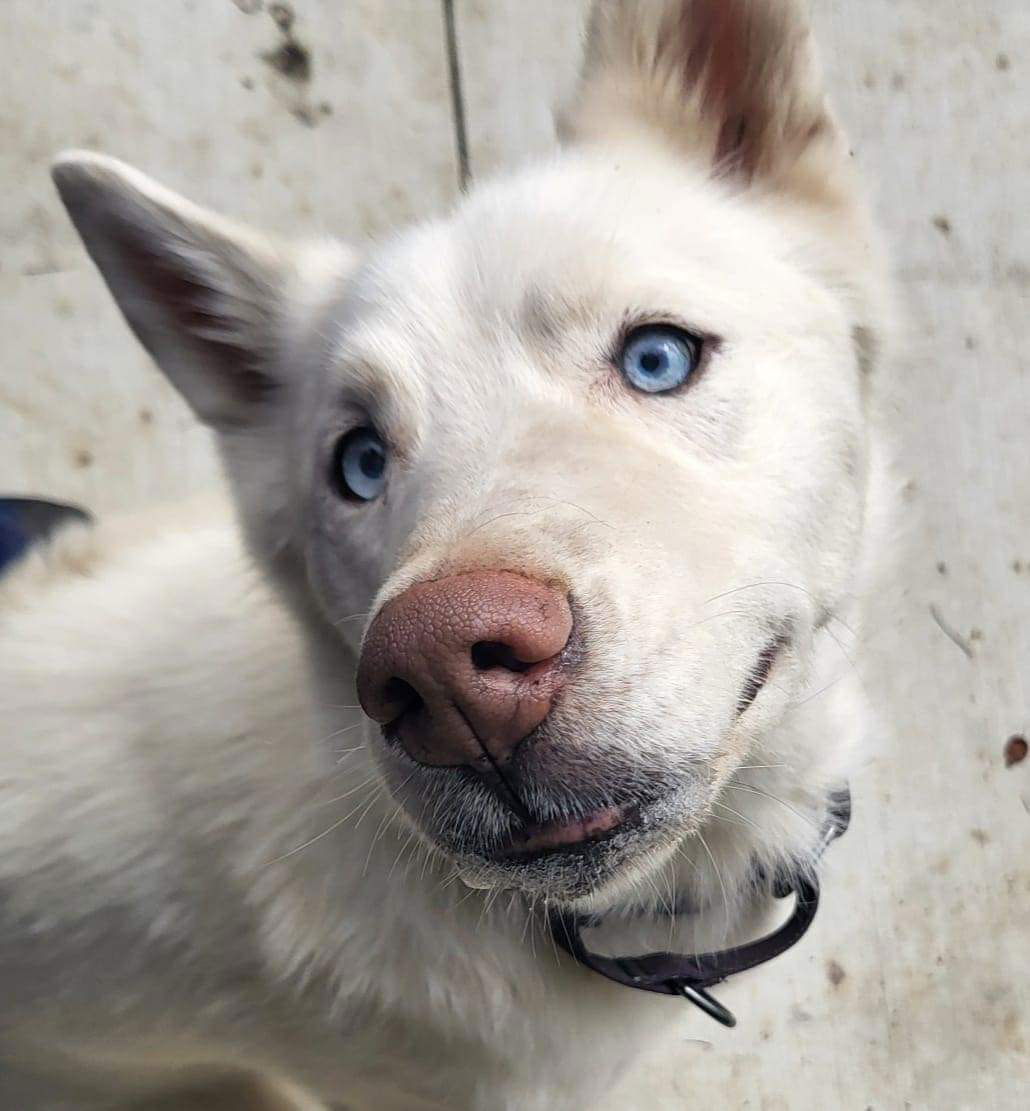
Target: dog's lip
{"points": [[534, 841]]}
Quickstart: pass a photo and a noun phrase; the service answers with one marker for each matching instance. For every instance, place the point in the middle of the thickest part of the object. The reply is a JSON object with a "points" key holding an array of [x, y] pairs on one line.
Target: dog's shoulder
{"points": [[142, 663]]}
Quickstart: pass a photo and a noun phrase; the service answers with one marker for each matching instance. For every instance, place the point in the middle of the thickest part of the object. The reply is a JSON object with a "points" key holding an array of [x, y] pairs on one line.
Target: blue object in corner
{"points": [[27, 521]]}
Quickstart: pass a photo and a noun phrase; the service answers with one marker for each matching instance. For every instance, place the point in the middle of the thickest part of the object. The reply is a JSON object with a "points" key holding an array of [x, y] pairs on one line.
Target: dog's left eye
{"points": [[658, 357], [359, 465]]}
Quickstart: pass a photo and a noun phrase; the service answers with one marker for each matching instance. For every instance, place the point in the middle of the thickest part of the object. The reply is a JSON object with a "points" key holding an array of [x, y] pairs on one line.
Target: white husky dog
{"points": [[570, 487]]}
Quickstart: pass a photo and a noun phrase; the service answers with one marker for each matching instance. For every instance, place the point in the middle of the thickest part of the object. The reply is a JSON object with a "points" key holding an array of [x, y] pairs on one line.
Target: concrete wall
{"points": [[913, 989]]}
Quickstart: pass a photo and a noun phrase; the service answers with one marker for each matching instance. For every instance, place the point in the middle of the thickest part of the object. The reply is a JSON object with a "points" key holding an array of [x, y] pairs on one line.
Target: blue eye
{"points": [[360, 464], [658, 358]]}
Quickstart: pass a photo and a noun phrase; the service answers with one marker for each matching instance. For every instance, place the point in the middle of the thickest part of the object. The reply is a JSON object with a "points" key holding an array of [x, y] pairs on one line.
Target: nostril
{"points": [[400, 698], [489, 654]]}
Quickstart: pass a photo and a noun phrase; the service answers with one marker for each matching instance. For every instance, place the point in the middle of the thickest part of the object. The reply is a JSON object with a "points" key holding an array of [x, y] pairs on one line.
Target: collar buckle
{"points": [[708, 1003]]}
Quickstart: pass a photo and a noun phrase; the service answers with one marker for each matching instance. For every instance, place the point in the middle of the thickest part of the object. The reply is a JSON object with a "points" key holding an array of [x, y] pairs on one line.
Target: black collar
{"points": [[689, 975]]}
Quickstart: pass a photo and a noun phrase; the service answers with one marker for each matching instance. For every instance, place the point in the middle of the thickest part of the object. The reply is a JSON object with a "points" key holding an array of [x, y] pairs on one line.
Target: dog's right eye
{"points": [[657, 358], [359, 465]]}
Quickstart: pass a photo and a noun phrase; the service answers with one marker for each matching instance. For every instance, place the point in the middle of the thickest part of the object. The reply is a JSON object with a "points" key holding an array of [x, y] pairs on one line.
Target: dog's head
{"points": [[586, 459]]}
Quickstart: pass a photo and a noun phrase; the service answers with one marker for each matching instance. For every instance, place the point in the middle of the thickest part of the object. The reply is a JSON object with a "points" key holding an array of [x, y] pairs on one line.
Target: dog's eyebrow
{"points": [[359, 374], [366, 373], [537, 316], [544, 316]]}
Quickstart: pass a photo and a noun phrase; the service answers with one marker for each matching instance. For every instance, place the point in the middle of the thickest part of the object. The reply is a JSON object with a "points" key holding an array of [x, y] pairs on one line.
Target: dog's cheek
{"points": [[344, 564]]}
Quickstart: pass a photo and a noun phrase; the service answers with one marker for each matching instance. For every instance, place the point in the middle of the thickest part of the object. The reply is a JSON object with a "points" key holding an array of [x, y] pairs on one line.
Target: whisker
{"points": [[581, 509], [317, 837], [403, 849], [343, 753], [351, 617], [380, 829], [821, 690], [340, 732], [715, 616], [788, 586], [773, 798], [742, 817], [371, 803], [501, 517], [347, 794], [718, 876]]}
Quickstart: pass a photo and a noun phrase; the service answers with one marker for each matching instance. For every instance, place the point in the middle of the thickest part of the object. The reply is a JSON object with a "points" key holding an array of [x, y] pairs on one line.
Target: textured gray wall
{"points": [[913, 989]]}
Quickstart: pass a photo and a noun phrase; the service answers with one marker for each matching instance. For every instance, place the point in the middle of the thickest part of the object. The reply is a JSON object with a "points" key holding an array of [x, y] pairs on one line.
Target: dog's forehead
{"points": [[582, 242]]}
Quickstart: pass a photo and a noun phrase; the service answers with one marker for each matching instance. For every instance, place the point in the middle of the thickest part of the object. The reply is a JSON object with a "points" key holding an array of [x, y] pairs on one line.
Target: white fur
{"points": [[203, 873]]}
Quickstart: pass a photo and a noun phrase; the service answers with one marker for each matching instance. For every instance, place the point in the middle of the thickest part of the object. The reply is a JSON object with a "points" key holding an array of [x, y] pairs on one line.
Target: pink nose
{"points": [[463, 668]]}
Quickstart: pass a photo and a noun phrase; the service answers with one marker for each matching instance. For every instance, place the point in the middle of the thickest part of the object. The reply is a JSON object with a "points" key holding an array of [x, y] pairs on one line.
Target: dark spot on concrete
{"points": [[325, 108], [799, 1014], [1015, 750], [248, 7], [970, 343], [942, 224], [897, 81], [305, 114], [257, 171], [980, 836], [83, 457], [146, 416], [1018, 273], [247, 83], [942, 568], [869, 80], [976, 634], [1017, 566], [291, 60], [283, 16], [835, 973], [1003, 62], [765, 1035]]}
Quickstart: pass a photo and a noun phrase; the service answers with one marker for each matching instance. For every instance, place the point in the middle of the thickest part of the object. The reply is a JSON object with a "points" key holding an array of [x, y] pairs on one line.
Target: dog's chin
{"points": [[587, 862]]}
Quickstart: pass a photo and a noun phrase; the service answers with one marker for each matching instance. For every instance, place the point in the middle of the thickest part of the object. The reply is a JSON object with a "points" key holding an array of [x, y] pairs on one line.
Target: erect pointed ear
{"points": [[731, 83], [203, 296]]}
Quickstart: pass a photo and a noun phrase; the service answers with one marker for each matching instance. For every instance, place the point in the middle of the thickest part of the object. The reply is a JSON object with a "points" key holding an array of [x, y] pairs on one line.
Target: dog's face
{"points": [[585, 461]]}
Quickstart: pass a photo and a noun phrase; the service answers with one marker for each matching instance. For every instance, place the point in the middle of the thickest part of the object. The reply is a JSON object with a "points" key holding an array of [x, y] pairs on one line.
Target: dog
{"points": [[547, 518]]}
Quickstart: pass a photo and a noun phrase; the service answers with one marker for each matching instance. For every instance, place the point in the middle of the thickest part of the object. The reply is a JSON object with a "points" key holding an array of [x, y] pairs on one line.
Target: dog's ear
{"points": [[202, 295], [731, 83]]}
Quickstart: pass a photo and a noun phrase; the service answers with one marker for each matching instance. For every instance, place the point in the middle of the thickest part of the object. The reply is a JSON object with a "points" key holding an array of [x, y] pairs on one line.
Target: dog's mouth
{"points": [[577, 858], [545, 823], [535, 842]]}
